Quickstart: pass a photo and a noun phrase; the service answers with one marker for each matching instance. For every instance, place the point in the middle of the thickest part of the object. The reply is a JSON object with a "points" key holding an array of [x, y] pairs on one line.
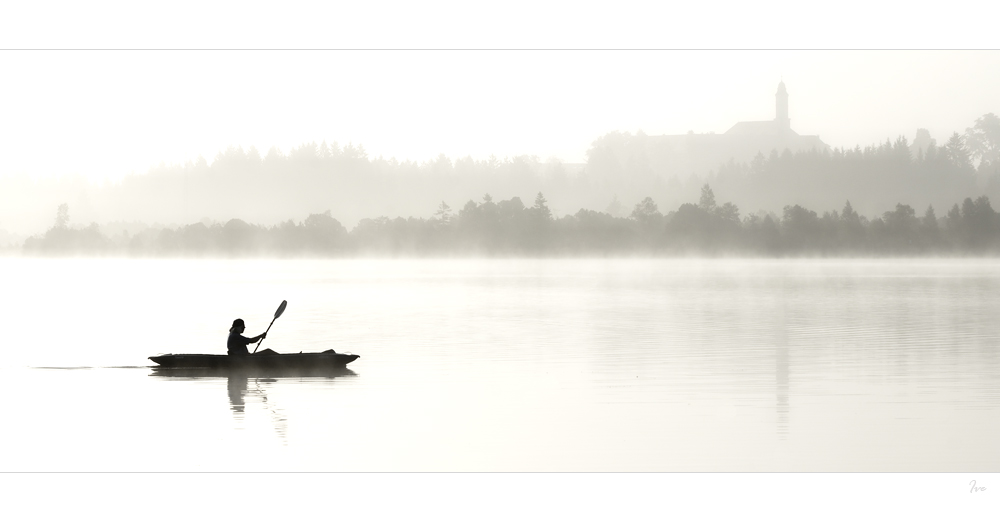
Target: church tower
{"points": [[781, 108]]}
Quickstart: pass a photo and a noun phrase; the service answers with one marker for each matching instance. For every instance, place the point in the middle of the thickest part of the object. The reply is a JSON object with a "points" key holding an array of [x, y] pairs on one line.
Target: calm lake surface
{"points": [[507, 365]]}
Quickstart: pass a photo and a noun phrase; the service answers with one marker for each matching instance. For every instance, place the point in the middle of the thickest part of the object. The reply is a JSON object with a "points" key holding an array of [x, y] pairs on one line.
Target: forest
{"points": [[510, 228], [620, 170], [894, 198]]}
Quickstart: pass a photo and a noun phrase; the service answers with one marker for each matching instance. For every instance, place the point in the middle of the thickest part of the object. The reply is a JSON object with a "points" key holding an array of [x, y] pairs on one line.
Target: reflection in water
{"points": [[781, 380], [273, 373], [525, 365], [238, 386], [279, 422], [781, 371]]}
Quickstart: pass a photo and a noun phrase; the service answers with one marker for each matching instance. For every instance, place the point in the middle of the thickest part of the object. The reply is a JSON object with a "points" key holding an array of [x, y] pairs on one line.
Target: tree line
{"points": [[268, 188], [921, 172], [511, 228]]}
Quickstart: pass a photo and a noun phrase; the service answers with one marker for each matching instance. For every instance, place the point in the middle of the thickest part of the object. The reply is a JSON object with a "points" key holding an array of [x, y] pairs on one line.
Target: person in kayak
{"points": [[237, 344]]}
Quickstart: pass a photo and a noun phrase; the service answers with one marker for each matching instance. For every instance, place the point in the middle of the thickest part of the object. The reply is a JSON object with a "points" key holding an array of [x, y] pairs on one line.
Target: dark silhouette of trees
{"points": [[794, 194], [851, 228], [647, 214], [983, 139], [762, 234], [62, 216], [801, 229], [541, 210], [957, 154], [269, 186], [901, 233], [61, 239], [615, 208], [443, 214], [590, 232], [704, 227], [323, 234], [508, 227], [707, 200], [975, 226], [690, 228]]}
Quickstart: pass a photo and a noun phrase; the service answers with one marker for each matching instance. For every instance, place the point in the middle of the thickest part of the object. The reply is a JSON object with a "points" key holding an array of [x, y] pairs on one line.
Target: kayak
{"points": [[248, 372], [327, 359]]}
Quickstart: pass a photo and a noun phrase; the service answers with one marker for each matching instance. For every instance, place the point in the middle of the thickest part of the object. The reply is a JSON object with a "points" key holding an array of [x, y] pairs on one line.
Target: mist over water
{"points": [[506, 364], [714, 276], [833, 310]]}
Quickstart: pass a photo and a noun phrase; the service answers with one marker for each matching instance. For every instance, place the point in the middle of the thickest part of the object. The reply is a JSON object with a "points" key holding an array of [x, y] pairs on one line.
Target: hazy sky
{"points": [[106, 113]]}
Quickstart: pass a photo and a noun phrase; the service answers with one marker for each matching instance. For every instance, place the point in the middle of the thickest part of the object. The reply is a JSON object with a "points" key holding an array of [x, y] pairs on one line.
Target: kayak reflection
{"points": [[246, 372], [239, 386]]}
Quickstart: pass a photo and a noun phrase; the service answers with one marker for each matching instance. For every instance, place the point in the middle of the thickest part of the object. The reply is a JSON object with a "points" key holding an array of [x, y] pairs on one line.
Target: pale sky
{"points": [[107, 113]]}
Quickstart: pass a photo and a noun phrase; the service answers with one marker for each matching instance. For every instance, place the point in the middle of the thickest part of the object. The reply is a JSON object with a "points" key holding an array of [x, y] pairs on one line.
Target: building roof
{"points": [[698, 153], [758, 128]]}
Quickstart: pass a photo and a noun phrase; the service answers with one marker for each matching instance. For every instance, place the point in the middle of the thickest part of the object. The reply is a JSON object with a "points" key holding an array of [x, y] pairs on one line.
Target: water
{"points": [[508, 365]]}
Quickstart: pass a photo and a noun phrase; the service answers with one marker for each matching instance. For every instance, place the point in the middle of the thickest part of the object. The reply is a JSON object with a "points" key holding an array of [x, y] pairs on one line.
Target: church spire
{"points": [[781, 107]]}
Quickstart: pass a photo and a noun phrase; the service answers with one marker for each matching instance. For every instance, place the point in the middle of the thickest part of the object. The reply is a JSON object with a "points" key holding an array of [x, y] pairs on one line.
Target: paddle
{"points": [[281, 310]]}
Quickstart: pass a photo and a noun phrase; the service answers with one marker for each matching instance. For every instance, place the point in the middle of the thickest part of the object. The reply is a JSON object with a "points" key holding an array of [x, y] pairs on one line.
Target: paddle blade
{"points": [[281, 309]]}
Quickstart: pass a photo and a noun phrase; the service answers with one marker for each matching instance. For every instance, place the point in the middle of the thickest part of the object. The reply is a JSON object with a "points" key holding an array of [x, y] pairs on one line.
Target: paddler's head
{"points": [[238, 326]]}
